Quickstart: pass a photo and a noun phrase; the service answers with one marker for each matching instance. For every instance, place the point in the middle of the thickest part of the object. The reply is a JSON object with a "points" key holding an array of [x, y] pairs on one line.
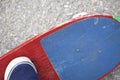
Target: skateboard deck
{"points": [[85, 48]]}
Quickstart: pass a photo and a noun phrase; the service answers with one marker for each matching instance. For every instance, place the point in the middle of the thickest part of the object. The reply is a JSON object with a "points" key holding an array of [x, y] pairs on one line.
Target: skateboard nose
{"points": [[84, 50]]}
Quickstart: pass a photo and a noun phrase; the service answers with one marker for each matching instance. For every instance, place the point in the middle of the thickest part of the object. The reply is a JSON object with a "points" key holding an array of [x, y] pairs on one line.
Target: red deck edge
{"points": [[36, 40]]}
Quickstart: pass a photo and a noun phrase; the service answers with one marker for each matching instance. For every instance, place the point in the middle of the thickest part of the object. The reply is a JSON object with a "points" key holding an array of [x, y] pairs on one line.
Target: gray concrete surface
{"points": [[22, 19]]}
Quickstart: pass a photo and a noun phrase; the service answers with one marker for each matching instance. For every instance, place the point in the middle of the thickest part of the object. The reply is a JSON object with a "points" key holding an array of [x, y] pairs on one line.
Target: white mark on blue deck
{"points": [[82, 59], [104, 27], [96, 21], [99, 51], [78, 50]]}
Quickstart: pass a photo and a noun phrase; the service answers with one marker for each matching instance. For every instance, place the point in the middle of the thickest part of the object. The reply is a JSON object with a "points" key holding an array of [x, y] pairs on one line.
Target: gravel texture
{"points": [[20, 20]]}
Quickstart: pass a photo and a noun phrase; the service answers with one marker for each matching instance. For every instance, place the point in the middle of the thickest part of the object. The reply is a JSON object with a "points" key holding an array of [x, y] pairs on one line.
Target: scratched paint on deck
{"points": [[85, 50]]}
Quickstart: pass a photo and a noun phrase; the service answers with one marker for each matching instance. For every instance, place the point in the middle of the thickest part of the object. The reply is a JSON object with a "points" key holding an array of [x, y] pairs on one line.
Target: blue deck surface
{"points": [[85, 50]]}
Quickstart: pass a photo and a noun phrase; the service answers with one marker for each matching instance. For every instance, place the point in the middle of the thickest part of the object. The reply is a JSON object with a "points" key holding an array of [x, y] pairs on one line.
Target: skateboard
{"points": [[84, 48]]}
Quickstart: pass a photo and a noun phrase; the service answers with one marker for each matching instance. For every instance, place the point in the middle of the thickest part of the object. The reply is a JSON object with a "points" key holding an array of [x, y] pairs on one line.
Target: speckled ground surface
{"points": [[20, 20]]}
